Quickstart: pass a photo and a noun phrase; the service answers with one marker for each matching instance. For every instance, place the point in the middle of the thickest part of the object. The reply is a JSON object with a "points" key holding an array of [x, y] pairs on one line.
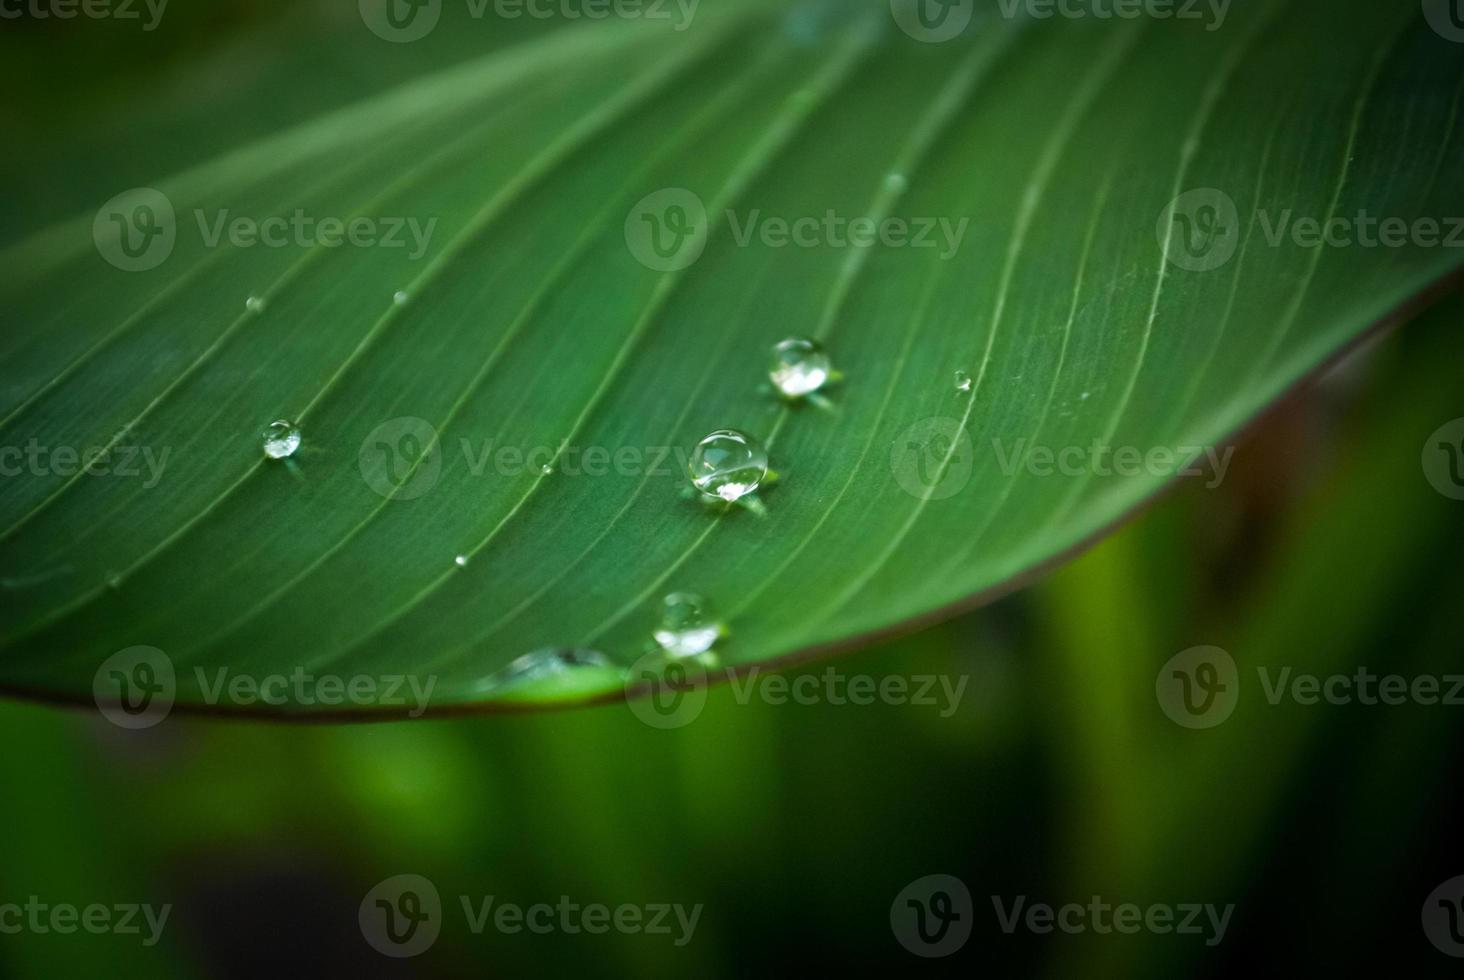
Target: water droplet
{"points": [[963, 381], [401, 297], [546, 469], [800, 366], [281, 439], [114, 581], [896, 183], [254, 304], [461, 561], [727, 464], [688, 626], [544, 664], [1084, 396]]}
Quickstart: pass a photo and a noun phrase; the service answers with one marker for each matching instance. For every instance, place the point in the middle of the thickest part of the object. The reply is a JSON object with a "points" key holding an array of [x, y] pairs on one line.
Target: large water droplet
{"points": [[281, 439], [544, 664], [727, 464], [254, 304], [800, 366], [688, 626], [963, 381]]}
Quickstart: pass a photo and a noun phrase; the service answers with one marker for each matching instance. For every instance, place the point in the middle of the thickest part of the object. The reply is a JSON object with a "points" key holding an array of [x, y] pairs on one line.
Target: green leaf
{"points": [[1100, 228]]}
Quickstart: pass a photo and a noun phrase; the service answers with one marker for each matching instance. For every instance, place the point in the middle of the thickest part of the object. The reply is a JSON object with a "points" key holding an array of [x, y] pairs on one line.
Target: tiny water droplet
{"points": [[114, 581], [546, 469], [963, 381], [1084, 396], [800, 366], [896, 182], [461, 561], [688, 626], [254, 304], [401, 297], [727, 464], [281, 439]]}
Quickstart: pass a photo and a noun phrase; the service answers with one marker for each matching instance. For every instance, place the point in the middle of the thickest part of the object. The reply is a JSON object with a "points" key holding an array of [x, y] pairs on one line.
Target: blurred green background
{"points": [[795, 826]]}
